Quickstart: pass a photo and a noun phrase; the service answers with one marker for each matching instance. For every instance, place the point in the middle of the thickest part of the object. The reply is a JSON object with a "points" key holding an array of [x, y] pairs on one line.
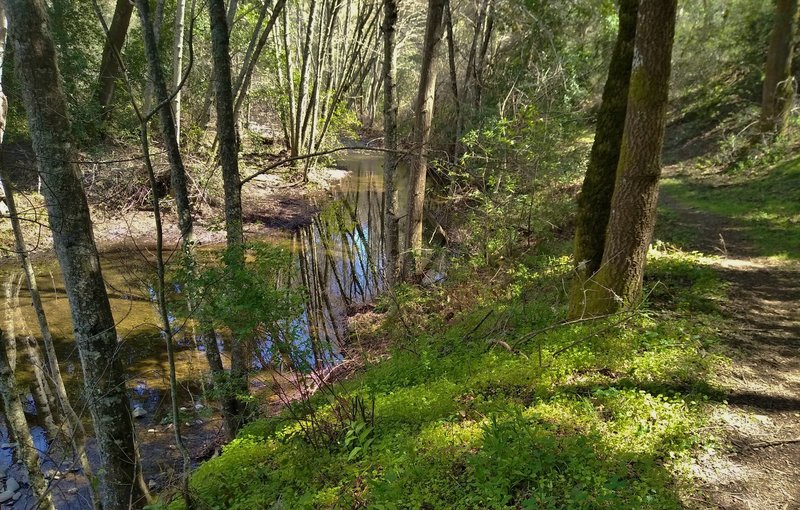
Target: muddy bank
{"points": [[274, 204]]}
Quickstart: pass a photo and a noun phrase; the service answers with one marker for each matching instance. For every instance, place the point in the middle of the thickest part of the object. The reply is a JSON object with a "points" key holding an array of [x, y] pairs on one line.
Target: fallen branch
{"points": [[504, 345], [768, 444], [478, 325]]}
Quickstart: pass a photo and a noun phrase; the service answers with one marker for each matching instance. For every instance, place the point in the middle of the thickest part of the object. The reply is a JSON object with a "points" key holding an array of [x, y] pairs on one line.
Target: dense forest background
{"points": [[399, 254]]}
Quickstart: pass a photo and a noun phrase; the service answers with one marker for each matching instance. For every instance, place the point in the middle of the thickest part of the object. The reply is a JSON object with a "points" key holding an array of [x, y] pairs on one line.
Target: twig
{"points": [[626, 318], [767, 444], [530, 336], [478, 325], [316, 155]]}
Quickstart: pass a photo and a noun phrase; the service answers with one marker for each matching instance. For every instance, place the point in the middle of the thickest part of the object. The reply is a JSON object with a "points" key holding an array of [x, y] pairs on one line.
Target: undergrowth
{"points": [[483, 404]]}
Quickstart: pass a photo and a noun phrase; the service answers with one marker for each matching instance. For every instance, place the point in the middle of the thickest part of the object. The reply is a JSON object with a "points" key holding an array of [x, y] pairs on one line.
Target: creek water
{"points": [[338, 258]]}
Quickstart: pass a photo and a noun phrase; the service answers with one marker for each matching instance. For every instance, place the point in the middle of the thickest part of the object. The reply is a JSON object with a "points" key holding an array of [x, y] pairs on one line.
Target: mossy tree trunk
{"points": [[71, 225], [229, 159], [76, 432], [779, 85], [594, 201], [618, 283]]}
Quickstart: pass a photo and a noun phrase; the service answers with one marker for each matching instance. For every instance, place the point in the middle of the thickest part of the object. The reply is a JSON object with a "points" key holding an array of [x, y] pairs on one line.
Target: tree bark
{"points": [[594, 201], [109, 67], [77, 433], [391, 158], [228, 153], [68, 213], [412, 265], [618, 283], [779, 85]]}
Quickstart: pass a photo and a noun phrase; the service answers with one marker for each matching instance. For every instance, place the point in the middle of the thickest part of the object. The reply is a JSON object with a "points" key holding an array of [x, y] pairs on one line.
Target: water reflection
{"points": [[339, 262], [338, 259]]}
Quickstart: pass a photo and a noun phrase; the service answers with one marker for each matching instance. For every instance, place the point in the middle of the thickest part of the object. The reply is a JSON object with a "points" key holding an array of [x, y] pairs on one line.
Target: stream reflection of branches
{"points": [[340, 259]]}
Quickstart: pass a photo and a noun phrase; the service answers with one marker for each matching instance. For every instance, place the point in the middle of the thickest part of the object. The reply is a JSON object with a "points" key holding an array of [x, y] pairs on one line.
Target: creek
{"points": [[338, 258]]}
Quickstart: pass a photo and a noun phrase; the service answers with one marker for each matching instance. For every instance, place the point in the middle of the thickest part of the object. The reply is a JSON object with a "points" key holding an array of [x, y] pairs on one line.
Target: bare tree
{"points": [[412, 264], [390, 141]]}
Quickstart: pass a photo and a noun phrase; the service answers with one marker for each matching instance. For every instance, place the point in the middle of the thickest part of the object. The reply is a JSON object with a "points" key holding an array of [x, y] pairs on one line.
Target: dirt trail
{"points": [[760, 468]]}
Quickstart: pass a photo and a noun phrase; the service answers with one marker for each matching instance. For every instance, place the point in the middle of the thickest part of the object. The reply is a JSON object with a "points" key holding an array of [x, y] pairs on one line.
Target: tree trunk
{"points": [[177, 66], [251, 59], [412, 264], [451, 61], [391, 159], [470, 74], [94, 326], [618, 283], [480, 64], [178, 176], [779, 85], [109, 67], [158, 21], [229, 159], [77, 433], [302, 100], [168, 123], [594, 201], [167, 331], [9, 322]]}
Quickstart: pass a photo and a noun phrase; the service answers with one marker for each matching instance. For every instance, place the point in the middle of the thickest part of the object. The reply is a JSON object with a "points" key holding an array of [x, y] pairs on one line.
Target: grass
{"points": [[762, 204], [584, 416]]}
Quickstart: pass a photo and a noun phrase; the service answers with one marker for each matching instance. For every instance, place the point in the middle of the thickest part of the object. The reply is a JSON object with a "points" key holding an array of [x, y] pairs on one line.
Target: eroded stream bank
{"points": [[337, 256]]}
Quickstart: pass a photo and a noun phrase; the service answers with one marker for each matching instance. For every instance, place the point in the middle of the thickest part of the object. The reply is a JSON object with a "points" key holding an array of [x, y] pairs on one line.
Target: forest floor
{"points": [[748, 222]]}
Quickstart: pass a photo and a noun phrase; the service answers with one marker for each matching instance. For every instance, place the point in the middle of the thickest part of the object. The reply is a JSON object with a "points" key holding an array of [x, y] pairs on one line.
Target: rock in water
{"points": [[139, 412], [6, 496], [12, 485]]}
